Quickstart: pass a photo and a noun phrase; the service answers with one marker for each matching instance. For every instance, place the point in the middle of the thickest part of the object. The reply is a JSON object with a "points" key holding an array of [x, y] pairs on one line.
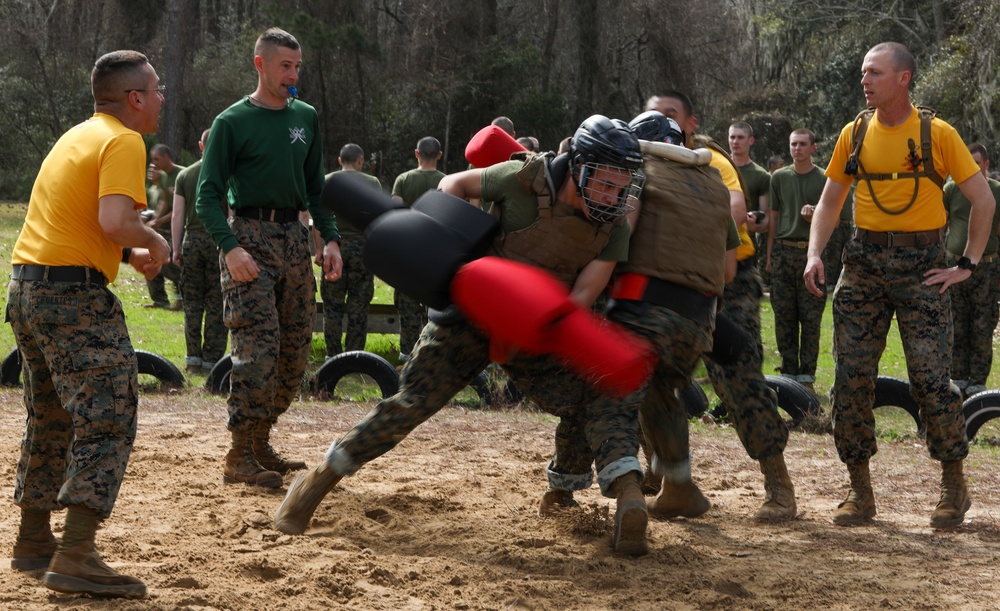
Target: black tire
{"points": [[149, 363], [794, 398], [163, 370], [218, 378], [980, 409], [694, 399], [10, 371], [895, 392], [358, 361]]}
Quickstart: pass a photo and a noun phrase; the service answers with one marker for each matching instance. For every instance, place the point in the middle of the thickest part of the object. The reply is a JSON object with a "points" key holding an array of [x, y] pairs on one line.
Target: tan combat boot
{"points": [[859, 506], [268, 458], [242, 467], [77, 568], [630, 516], [555, 500], [955, 501], [679, 499], [650, 481], [35, 543], [304, 496], [779, 494]]}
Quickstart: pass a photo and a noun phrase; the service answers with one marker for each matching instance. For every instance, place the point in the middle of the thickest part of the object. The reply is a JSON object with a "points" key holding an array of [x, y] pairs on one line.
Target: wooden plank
{"points": [[382, 318]]}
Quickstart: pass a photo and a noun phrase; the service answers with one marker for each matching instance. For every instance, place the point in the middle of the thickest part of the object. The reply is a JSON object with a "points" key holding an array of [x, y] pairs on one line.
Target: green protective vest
{"points": [[682, 228], [560, 241]]}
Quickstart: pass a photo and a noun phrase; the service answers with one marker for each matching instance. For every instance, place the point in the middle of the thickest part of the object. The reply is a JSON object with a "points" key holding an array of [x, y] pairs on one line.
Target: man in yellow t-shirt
{"points": [[741, 385], [896, 265], [80, 371]]}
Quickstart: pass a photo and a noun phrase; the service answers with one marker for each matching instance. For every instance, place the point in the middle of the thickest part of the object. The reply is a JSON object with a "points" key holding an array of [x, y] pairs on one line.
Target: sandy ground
{"points": [[447, 521]]}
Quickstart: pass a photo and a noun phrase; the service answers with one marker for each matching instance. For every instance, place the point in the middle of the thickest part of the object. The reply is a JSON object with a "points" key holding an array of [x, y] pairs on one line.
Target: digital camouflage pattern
{"points": [[80, 377], [350, 294], [798, 314], [445, 360], [202, 290], [270, 336], [680, 342], [741, 386], [834, 251], [412, 318], [975, 313], [878, 282], [158, 285]]}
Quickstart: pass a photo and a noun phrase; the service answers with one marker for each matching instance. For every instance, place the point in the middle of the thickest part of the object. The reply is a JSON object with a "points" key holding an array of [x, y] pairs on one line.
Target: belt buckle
{"points": [[890, 239], [273, 212]]}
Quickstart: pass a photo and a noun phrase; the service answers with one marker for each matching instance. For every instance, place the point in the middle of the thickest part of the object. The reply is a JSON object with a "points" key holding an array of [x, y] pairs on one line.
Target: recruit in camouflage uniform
{"points": [[407, 189], [265, 154], [895, 267], [198, 257], [798, 314], [200, 283], [974, 307], [740, 384], [352, 293], [541, 230], [339, 299], [80, 371]]}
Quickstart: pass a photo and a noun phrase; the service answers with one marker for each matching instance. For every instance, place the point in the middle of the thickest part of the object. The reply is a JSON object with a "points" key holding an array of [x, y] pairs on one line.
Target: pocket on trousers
{"points": [[111, 399]]}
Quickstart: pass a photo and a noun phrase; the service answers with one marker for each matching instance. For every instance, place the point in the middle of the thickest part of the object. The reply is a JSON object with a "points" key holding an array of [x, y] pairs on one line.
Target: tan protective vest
{"points": [[681, 232], [560, 241]]}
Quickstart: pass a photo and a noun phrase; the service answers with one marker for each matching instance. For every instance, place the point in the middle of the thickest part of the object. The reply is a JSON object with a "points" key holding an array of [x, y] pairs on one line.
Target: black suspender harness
{"points": [[924, 160]]}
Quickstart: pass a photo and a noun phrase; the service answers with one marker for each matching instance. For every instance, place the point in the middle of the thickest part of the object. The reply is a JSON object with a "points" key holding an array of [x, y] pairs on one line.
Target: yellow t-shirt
{"points": [[732, 181], [885, 150], [95, 158]]}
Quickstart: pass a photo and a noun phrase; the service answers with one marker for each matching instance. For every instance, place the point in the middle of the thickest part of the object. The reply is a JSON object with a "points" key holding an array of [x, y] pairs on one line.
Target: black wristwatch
{"points": [[966, 263]]}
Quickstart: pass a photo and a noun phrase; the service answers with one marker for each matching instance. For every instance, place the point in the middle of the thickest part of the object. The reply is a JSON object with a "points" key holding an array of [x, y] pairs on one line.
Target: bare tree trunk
{"points": [[548, 53], [180, 35], [588, 64]]}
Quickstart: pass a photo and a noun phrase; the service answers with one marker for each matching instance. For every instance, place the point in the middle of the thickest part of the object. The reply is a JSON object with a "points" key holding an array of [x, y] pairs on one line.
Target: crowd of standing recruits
{"points": [[242, 214]]}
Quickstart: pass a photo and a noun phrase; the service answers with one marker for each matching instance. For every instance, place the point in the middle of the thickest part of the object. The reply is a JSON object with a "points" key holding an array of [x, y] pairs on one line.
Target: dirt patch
{"points": [[447, 521]]}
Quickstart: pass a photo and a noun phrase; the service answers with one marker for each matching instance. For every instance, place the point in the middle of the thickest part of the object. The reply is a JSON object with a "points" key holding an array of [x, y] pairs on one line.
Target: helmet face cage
{"points": [[606, 166], [594, 187]]}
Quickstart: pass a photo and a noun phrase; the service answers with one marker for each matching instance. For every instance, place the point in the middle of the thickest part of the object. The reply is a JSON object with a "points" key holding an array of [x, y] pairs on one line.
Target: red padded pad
{"points": [[490, 146], [514, 301], [613, 359], [526, 307]]}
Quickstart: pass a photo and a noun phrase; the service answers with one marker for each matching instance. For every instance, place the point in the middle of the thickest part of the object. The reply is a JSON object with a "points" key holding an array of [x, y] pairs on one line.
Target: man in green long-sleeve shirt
{"points": [[265, 154]]}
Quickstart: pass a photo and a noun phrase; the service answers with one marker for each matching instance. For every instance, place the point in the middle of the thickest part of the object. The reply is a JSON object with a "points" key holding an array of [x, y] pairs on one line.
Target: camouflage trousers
{"points": [[833, 254], [158, 285], [975, 314], [80, 391], [680, 342], [412, 318], [200, 284], [446, 358], [351, 294], [270, 320], [741, 386], [798, 314], [877, 282]]}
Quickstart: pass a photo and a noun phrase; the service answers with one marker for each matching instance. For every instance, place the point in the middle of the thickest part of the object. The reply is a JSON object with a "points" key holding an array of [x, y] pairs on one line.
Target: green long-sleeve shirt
{"points": [[263, 158]]}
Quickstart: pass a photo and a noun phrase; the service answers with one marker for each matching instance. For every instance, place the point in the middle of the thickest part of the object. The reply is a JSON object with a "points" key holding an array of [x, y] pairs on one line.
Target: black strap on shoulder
{"points": [[925, 160]]}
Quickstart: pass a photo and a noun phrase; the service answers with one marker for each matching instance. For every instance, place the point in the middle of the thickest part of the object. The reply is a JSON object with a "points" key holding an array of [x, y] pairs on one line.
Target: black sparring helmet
{"points": [[652, 125], [605, 141]]}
